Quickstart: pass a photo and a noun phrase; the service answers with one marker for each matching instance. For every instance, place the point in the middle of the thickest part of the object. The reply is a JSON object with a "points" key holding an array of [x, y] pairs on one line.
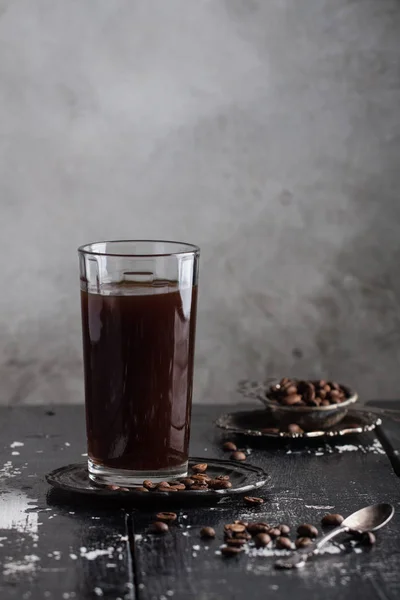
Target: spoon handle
{"points": [[300, 557]]}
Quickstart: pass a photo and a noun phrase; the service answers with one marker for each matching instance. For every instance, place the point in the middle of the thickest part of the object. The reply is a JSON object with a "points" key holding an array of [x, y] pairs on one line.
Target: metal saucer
{"points": [[260, 423], [244, 478]]}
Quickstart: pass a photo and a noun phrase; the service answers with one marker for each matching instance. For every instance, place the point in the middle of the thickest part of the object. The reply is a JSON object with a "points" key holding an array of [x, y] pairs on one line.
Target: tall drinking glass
{"points": [[139, 301]]}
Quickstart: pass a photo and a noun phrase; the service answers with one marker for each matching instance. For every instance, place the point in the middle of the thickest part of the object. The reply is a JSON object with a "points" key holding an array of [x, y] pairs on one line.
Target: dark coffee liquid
{"points": [[138, 345]]}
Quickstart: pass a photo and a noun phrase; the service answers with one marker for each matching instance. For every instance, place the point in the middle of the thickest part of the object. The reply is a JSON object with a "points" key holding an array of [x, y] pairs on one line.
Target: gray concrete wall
{"points": [[268, 132]]}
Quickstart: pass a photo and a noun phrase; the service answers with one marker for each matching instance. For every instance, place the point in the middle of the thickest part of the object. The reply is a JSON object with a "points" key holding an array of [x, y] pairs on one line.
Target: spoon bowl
{"points": [[370, 518]]}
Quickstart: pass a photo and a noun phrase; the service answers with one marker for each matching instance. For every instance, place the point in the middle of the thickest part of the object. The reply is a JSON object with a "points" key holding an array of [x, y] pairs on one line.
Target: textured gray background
{"points": [[268, 132]]}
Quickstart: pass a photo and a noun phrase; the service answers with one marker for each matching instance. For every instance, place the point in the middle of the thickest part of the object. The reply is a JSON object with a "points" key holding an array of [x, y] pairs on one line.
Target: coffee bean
{"points": [[291, 400], [334, 385], [229, 551], [242, 536], [334, 394], [322, 394], [293, 428], [284, 381], [149, 484], [302, 542], [199, 487], [325, 403], [114, 488], [229, 447], [166, 516], [201, 478], [237, 528], [178, 486], [332, 520], [252, 500], [137, 489], [368, 538], [187, 481], [238, 542], [307, 530], [218, 484], [158, 527], [261, 540], [200, 468], [274, 532], [283, 543], [284, 529], [163, 484], [222, 477], [309, 392], [289, 390], [255, 528], [207, 532], [238, 456]]}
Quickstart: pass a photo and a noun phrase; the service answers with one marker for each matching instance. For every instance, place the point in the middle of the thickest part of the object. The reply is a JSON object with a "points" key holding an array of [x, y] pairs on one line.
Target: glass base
{"points": [[125, 478]]}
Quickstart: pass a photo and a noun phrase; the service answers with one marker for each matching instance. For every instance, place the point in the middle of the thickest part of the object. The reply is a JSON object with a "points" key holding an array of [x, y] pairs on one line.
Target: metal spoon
{"points": [[369, 518]]}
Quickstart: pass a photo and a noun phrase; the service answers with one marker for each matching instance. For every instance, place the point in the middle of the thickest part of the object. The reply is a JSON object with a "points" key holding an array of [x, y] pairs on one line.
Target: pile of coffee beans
{"points": [[294, 392], [198, 480]]}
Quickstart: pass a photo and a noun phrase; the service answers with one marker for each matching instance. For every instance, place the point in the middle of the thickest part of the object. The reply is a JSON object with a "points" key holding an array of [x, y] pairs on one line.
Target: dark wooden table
{"points": [[58, 547]]}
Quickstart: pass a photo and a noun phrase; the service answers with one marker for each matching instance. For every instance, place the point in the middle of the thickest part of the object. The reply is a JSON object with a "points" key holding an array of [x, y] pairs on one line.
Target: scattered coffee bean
{"points": [[238, 542], [368, 538], [238, 456], [158, 527], [229, 551], [252, 500], [149, 484], [283, 543], [293, 428], [188, 481], [242, 536], [255, 528], [201, 478], [166, 516], [284, 529], [262, 539], [200, 468], [178, 486], [163, 484], [229, 447], [274, 532], [332, 520], [307, 530], [302, 542], [137, 489], [237, 528], [219, 484], [207, 532], [222, 477]]}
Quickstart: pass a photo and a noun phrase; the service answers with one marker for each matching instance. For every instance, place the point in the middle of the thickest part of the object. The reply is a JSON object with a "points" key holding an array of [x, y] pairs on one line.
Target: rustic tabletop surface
{"points": [[63, 547]]}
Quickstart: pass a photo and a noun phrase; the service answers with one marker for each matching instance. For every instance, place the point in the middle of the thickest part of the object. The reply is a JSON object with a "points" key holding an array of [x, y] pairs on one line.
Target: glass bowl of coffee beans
{"points": [[309, 405]]}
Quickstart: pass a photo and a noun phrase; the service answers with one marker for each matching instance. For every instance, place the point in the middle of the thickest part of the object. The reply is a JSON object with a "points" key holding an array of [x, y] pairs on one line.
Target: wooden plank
{"points": [[389, 432], [308, 481], [50, 548]]}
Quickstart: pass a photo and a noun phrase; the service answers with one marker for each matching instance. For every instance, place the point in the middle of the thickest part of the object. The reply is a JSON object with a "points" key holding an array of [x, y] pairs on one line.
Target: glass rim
{"points": [[86, 249]]}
